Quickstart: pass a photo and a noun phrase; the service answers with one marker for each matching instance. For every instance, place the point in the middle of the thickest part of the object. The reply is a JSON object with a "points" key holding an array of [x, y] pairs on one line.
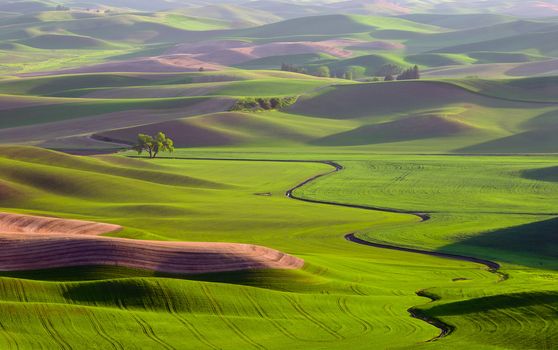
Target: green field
{"points": [[367, 289], [448, 184]]}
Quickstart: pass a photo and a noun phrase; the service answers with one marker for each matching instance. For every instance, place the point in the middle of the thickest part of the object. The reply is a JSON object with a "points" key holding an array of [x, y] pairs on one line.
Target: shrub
{"points": [[263, 103]]}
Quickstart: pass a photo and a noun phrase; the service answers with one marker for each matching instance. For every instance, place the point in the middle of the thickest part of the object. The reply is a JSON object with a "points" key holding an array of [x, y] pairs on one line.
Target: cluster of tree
{"points": [[408, 74], [388, 69], [263, 103], [153, 144], [286, 67], [97, 10], [62, 8], [321, 71]]}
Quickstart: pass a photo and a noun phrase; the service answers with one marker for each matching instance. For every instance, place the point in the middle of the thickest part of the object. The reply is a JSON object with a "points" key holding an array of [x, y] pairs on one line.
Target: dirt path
{"points": [[445, 329]]}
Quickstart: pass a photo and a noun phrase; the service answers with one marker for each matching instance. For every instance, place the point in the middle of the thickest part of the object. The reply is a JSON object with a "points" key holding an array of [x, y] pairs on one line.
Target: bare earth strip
{"points": [[34, 242]]}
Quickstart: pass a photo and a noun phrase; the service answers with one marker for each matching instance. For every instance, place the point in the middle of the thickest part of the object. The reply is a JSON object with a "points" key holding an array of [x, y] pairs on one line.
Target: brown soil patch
{"points": [[229, 56], [33, 242], [377, 45], [293, 48], [231, 52], [206, 47]]}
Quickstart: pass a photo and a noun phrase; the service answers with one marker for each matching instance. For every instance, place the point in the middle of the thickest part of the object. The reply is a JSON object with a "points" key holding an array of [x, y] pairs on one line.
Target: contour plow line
{"points": [[35, 242]]}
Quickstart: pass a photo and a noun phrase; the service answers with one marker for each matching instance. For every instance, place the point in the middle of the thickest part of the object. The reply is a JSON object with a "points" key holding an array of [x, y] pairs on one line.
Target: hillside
{"points": [[279, 174]]}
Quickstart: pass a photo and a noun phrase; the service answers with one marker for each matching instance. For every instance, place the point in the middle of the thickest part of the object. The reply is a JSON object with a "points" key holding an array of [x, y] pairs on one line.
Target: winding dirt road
{"points": [[444, 328], [33, 242]]}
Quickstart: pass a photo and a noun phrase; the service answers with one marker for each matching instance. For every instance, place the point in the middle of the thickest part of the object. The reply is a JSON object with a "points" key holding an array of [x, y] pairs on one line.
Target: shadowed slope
{"points": [[412, 128]]}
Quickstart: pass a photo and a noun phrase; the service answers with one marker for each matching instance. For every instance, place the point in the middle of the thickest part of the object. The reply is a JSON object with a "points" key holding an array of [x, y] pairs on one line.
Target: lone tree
{"points": [[154, 144]]}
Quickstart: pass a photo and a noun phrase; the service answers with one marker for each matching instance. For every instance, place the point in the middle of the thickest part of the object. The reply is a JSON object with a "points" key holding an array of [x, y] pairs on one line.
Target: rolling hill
{"points": [[304, 202]]}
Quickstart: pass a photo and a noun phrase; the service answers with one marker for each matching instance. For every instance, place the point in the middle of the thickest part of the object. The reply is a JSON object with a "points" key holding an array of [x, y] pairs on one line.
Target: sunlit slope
{"points": [[367, 290], [501, 208], [441, 115], [332, 25], [47, 108], [458, 115], [66, 39]]}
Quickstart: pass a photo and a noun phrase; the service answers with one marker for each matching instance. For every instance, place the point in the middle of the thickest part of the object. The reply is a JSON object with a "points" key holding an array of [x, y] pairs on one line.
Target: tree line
{"points": [[388, 71], [263, 103]]}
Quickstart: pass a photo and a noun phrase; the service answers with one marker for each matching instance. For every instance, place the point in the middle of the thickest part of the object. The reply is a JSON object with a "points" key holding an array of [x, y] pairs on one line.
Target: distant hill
{"points": [[237, 16]]}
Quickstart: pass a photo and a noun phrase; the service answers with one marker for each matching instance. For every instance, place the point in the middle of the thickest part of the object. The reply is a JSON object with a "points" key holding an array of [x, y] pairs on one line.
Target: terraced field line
{"points": [[99, 329], [171, 308], [150, 333], [230, 324]]}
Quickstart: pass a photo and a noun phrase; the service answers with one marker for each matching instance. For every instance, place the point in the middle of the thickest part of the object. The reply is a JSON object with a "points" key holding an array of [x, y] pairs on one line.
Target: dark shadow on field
{"points": [[406, 129], [534, 245], [533, 141], [125, 292], [269, 279], [545, 120], [549, 174], [366, 100], [495, 302]]}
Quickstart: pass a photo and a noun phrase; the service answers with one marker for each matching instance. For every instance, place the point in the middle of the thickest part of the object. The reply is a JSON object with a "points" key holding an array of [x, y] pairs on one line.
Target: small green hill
{"points": [[237, 15], [488, 38], [26, 6], [363, 100], [459, 21], [538, 89], [274, 62], [405, 129], [332, 25], [504, 57], [438, 60], [532, 141], [538, 42], [65, 42]]}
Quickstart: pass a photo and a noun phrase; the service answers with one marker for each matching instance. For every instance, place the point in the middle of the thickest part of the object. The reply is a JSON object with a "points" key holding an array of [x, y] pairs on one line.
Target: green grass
{"points": [[458, 115], [275, 62], [346, 295], [384, 134], [271, 308], [332, 25], [75, 108]]}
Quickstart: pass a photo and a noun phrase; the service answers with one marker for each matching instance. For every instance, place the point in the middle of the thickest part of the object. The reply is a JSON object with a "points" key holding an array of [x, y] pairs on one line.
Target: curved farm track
{"points": [[444, 328], [30, 241]]}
